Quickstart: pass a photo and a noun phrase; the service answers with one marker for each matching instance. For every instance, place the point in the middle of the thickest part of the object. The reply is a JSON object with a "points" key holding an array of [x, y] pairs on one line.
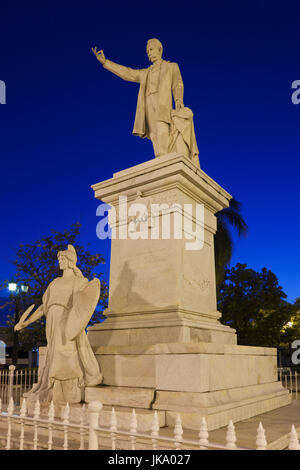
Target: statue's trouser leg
{"points": [[163, 137], [159, 131]]}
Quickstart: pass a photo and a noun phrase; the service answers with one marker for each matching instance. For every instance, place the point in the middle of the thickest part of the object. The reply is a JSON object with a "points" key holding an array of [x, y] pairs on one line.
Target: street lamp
{"points": [[16, 289], [13, 287]]}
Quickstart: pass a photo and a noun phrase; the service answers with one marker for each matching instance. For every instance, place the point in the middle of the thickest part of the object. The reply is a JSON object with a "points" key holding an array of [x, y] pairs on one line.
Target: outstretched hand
{"points": [[99, 55], [22, 324], [19, 326]]}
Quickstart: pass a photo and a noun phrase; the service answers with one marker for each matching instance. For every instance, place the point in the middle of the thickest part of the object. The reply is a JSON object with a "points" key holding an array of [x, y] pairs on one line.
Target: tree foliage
{"points": [[254, 304], [291, 330], [227, 219], [36, 266]]}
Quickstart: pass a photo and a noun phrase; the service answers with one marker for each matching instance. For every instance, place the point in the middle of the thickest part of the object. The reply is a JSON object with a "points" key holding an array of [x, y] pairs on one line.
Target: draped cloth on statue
{"points": [[182, 135], [70, 363]]}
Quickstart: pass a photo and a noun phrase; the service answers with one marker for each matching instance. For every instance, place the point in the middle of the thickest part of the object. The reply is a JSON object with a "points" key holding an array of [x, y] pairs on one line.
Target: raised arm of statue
{"points": [[34, 317], [126, 73]]}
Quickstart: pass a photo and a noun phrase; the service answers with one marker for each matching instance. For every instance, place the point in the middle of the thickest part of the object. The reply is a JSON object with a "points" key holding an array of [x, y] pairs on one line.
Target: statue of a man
{"points": [[159, 83]]}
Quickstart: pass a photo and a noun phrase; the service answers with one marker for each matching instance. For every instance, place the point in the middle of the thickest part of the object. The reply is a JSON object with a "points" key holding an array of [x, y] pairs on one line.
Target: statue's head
{"points": [[154, 50], [67, 259]]}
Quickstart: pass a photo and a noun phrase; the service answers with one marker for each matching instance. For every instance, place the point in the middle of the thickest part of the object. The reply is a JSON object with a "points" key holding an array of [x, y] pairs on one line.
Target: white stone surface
{"points": [[121, 396], [68, 363], [206, 402], [160, 291], [169, 129], [238, 411], [163, 330], [193, 367]]}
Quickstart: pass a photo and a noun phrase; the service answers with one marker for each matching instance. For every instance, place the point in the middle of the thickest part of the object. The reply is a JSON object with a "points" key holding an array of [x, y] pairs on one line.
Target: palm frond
{"points": [[227, 218]]}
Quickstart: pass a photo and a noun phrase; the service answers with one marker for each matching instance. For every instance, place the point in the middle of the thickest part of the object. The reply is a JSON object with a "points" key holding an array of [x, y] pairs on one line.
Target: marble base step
{"points": [[219, 416], [218, 407], [129, 397]]}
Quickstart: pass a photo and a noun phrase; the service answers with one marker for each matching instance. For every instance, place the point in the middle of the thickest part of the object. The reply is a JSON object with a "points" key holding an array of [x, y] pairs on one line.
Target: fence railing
{"points": [[290, 380], [86, 433], [20, 431], [14, 382]]}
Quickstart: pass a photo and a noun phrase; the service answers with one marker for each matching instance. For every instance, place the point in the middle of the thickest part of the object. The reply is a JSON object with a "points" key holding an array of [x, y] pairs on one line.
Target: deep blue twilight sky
{"points": [[67, 123]]}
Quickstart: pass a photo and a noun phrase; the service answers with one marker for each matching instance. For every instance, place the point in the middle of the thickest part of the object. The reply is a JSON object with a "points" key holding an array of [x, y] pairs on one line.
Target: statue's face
{"points": [[153, 51], [63, 262]]}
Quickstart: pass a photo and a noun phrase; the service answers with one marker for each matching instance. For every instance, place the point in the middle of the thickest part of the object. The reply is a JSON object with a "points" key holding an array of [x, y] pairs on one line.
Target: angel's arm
{"points": [[24, 321]]}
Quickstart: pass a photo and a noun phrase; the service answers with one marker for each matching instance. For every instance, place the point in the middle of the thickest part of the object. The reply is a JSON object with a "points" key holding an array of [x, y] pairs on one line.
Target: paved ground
{"points": [[277, 425]]}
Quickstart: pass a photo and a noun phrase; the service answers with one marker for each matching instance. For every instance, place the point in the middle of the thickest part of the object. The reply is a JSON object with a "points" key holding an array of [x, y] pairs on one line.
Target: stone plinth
{"points": [[220, 382], [187, 367], [162, 290], [162, 346]]}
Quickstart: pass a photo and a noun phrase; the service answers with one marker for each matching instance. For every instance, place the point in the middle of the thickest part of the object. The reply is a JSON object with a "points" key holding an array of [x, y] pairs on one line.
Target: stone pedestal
{"points": [[220, 382], [162, 290], [162, 342]]}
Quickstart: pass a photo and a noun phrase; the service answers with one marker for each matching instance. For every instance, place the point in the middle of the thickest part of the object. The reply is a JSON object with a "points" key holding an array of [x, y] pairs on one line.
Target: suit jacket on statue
{"points": [[170, 81]]}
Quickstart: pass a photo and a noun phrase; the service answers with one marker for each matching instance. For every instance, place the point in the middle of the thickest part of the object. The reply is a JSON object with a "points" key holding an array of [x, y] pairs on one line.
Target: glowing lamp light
{"points": [[12, 286]]}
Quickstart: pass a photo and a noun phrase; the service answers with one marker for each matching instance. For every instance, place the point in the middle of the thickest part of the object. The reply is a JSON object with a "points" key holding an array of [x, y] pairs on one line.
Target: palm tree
{"points": [[227, 218]]}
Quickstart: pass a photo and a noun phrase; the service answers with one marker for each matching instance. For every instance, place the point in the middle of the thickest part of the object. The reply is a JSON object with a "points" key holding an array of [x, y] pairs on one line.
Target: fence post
{"points": [[12, 369], [36, 416], [133, 429], [10, 411], [261, 442], [294, 442], [51, 416], [82, 423], [94, 409], [23, 412], [230, 436], [203, 434], [66, 414], [113, 427], [155, 430], [178, 431]]}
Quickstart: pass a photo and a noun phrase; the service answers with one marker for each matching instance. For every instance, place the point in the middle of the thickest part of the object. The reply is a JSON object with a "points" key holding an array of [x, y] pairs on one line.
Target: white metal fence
{"points": [[14, 382], [20, 431], [290, 380]]}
